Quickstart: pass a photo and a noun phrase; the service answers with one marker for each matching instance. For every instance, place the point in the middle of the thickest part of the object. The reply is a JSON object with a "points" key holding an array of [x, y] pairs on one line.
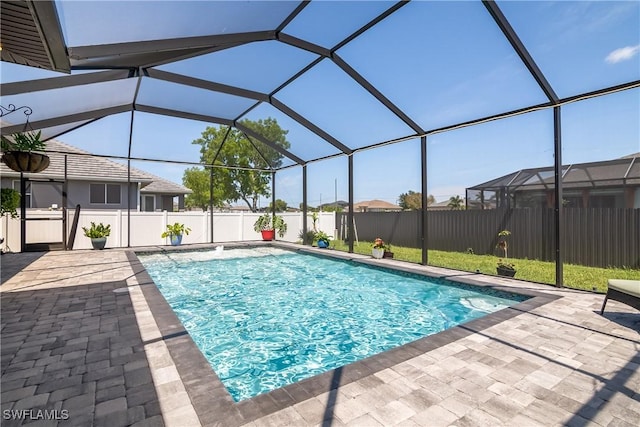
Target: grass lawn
{"points": [[575, 276]]}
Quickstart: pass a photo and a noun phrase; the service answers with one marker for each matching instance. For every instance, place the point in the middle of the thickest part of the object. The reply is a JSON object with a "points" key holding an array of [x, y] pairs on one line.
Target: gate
{"points": [[54, 235]]}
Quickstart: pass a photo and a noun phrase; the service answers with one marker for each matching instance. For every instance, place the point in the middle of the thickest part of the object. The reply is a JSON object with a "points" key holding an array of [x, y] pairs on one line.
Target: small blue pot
{"points": [[323, 244], [176, 239]]}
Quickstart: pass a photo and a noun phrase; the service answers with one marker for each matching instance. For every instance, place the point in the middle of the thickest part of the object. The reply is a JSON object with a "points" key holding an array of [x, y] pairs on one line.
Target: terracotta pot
{"points": [[23, 161]]}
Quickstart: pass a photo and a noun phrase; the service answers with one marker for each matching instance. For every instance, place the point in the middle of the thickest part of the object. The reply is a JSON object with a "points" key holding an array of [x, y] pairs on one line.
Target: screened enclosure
{"points": [[473, 99]]}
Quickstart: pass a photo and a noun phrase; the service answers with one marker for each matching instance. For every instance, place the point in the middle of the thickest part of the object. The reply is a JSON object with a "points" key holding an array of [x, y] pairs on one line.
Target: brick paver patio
{"points": [[78, 348]]}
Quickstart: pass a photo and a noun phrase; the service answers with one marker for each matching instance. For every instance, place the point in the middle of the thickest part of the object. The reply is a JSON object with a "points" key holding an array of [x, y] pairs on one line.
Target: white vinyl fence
{"points": [[146, 227]]}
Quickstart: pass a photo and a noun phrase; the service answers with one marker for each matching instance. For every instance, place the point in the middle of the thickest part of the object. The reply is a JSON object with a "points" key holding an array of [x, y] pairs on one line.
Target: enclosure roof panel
{"points": [[340, 76], [107, 22], [404, 55], [260, 66], [579, 45], [343, 17]]}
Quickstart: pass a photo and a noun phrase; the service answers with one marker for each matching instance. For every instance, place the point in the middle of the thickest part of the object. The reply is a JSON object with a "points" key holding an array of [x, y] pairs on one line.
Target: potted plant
{"points": [[387, 252], [10, 202], [174, 232], [268, 225], [98, 234], [322, 238], [308, 237], [502, 241], [506, 268], [378, 248], [18, 152]]}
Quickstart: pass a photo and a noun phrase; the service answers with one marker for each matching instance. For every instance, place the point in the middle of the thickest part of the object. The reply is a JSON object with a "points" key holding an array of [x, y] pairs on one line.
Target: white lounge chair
{"points": [[625, 291]]}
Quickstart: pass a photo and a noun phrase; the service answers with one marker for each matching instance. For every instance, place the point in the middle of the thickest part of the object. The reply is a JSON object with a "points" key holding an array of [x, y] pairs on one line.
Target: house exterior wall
{"points": [[46, 193], [166, 203], [79, 194], [163, 202]]}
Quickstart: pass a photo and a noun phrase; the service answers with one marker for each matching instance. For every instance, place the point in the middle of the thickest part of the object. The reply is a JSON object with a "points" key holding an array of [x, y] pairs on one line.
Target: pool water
{"points": [[266, 317]]}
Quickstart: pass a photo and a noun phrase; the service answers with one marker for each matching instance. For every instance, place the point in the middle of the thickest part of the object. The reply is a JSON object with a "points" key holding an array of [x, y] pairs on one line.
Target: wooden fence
{"points": [[598, 237]]}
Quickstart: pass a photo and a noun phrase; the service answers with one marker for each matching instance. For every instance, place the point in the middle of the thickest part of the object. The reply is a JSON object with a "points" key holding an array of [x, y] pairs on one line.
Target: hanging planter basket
{"points": [[25, 161]]}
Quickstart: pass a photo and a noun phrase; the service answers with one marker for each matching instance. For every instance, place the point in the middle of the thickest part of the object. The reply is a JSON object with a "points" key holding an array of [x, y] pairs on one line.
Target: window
{"points": [[27, 196], [101, 194], [148, 203]]}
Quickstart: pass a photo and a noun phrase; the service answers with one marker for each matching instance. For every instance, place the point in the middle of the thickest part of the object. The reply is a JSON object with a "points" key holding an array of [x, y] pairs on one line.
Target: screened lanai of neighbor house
{"points": [[349, 101]]}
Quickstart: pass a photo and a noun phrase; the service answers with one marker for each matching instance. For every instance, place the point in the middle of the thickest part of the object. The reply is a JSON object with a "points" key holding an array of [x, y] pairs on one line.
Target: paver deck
{"points": [[87, 337]]}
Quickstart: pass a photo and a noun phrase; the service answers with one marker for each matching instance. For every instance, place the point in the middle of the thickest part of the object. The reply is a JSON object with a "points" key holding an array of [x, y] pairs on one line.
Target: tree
{"points": [[309, 208], [332, 208], [197, 180], [456, 203], [281, 206], [241, 182], [413, 200]]}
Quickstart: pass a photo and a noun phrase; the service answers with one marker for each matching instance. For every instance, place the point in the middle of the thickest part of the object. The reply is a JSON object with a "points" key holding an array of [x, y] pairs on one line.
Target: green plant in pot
{"points": [[308, 237], [20, 152], [323, 239], [98, 234], [379, 247], [388, 253], [502, 241], [504, 268], [268, 225], [10, 202], [174, 232]]}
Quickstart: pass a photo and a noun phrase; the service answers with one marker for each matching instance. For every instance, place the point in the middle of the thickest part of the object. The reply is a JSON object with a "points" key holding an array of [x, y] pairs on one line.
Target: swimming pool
{"points": [[266, 317]]}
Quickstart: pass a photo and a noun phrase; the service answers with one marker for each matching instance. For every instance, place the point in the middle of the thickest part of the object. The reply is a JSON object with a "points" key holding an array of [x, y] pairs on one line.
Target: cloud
{"points": [[622, 54]]}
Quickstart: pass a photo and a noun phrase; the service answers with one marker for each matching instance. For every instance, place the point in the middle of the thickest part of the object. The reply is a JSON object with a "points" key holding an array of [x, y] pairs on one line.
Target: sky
{"points": [[442, 63]]}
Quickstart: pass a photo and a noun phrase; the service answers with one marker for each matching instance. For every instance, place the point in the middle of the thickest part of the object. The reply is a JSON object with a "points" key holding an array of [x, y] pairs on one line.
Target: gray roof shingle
{"points": [[82, 166]]}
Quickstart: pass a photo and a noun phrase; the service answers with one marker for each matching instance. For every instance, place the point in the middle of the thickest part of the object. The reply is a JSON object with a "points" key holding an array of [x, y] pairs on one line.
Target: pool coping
{"points": [[212, 402]]}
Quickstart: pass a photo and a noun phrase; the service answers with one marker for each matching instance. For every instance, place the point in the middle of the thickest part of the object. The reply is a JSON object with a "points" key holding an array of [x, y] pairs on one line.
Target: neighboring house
{"points": [[606, 184], [340, 204], [240, 208], [375, 206], [442, 206], [93, 183]]}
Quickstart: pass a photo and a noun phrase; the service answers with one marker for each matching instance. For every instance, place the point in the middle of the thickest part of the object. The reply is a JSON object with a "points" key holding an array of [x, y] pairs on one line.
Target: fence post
{"points": [[205, 227], [165, 222], [119, 228]]}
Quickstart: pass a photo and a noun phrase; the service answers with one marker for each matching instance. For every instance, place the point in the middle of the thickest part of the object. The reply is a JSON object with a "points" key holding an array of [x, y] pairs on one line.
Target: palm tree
{"points": [[456, 203]]}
